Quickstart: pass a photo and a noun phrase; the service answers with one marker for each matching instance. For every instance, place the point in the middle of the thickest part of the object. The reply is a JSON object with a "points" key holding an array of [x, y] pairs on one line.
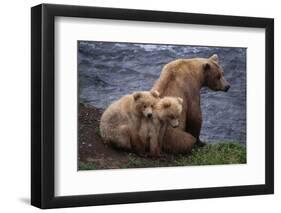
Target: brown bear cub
{"points": [[166, 112], [121, 122]]}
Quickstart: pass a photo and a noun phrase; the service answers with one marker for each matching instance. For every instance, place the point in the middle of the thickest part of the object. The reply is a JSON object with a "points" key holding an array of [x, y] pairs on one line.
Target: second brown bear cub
{"points": [[166, 112]]}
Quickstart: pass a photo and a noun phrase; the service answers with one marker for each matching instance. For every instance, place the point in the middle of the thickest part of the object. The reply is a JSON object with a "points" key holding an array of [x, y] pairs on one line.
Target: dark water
{"points": [[108, 71]]}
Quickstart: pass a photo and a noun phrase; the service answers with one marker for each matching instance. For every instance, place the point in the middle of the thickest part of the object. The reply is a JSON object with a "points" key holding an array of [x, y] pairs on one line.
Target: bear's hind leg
{"points": [[177, 141], [121, 138]]}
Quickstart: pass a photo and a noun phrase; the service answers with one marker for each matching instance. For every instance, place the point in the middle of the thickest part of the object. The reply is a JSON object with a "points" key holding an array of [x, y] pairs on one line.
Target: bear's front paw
{"points": [[200, 143]]}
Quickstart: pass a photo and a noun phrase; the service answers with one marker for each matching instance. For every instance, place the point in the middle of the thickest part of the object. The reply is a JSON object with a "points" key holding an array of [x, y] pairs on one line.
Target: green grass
{"points": [[214, 154], [211, 154], [87, 166]]}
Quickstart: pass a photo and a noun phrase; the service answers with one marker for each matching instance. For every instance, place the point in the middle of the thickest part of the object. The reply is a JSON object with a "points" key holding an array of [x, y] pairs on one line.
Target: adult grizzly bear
{"points": [[184, 78]]}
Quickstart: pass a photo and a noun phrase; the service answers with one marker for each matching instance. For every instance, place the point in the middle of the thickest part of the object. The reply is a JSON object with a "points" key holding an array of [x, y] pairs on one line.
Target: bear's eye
{"points": [[218, 77], [144, 106], [172, 117]]}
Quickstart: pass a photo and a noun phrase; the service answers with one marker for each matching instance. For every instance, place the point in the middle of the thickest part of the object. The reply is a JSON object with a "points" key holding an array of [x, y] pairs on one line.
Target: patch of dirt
{"points": [[93, 151]]}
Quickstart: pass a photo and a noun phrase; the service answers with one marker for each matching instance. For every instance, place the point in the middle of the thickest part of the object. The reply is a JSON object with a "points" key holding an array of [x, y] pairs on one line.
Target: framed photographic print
{"points": [[139, 106]]}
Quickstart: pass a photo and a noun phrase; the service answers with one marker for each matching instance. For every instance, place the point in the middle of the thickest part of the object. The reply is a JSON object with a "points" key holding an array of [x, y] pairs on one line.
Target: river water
{"points": [[110, 70]]}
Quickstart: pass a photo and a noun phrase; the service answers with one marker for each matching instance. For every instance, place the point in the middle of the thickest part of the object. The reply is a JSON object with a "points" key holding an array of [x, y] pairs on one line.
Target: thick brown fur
{"points": [[120, 123], [166, 112], [184, 78]]}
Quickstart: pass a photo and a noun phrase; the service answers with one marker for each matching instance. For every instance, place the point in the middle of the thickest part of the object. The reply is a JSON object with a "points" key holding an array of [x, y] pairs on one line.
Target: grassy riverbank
{"points": [[211, 154], [94, 154]]}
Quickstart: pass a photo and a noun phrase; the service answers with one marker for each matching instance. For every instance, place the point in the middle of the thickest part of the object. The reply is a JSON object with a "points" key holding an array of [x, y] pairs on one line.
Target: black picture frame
{"points": [[43, 102]]}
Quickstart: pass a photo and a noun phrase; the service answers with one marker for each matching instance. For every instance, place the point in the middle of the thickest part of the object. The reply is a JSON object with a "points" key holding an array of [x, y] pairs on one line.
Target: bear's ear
{"points": [[206, 67], [136, 95], [166, 103], [155, 93], [180, 100], [214, 58]]}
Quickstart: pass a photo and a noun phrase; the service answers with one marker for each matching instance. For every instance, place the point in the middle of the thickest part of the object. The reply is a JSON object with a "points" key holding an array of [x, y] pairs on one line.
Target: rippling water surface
{"points": [[109, 70]]}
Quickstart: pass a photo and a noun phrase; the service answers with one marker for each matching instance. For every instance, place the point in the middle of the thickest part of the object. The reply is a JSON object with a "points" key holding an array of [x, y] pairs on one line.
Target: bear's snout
{"points": [[226, 88], [175, 125], [149, 115]]}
